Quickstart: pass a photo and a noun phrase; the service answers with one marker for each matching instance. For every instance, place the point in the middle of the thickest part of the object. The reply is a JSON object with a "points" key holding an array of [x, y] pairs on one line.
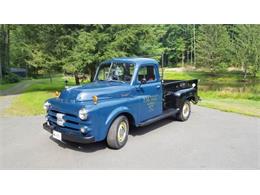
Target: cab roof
{"points": [[133, 60]]}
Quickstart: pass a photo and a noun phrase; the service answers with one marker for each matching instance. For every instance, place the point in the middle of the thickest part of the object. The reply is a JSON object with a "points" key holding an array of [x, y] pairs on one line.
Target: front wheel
{"points": [[118, 133], [185, 111]]}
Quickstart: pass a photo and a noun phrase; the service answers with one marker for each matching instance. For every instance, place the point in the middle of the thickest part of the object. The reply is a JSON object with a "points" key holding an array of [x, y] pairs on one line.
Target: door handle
{"points": [[158, 86]]}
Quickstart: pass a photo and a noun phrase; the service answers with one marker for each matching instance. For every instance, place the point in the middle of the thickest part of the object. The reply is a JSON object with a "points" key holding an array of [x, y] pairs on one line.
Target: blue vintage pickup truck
{"points": [[126, 92]]}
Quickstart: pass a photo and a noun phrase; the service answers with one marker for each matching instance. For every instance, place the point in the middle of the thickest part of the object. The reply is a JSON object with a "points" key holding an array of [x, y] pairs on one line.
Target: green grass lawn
{"points": [[29, 104], [31, 101], [242, 106], [225, 91]]}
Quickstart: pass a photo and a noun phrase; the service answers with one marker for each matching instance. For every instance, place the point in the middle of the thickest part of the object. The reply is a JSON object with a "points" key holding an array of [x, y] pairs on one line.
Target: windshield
{"points": [[115, 72]]}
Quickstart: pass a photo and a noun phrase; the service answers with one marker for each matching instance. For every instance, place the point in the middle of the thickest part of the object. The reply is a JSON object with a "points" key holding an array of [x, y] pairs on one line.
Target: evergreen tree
{"points": [[78, 49], [213, 47], [247, 48]]}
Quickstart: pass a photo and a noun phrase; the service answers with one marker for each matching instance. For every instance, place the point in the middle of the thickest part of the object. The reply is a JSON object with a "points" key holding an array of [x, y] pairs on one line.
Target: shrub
{"points": [[12, 78]]}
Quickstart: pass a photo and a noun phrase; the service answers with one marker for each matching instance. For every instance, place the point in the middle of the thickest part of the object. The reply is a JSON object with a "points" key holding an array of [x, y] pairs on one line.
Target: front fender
{"points": [[116, 112]]}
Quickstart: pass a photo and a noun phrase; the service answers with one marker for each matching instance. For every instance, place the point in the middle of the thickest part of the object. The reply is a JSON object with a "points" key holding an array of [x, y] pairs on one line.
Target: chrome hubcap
{"points": [[122, 129], [186, 110]]}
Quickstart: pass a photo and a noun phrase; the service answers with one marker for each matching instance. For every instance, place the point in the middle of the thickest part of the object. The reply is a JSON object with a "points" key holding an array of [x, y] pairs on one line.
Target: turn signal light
{"points": [[95, 99], [57, 94]]}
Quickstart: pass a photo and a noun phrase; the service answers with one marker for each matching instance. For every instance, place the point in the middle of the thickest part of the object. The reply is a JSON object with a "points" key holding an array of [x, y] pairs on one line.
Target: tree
{"points": [[78, 49], [96, 43], [4, 48], [81, 55], [213, 47], [134, 40], [247, 48], [43, 47], [174, 44]]}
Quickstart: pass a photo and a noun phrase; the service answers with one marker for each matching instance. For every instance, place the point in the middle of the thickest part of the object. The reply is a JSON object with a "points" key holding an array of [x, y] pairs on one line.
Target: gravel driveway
{"points": [[210, 139]]}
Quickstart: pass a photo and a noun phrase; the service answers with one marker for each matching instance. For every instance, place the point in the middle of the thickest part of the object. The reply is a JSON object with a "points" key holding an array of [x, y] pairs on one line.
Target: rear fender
{"points": [[185, 94]]}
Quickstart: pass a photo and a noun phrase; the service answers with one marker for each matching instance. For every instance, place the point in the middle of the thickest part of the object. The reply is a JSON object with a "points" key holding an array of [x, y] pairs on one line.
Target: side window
{"points": [[147, 73]]}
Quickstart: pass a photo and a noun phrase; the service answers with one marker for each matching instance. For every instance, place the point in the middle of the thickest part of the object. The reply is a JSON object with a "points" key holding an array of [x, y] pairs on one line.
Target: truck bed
{"points": [[175, 85], [170, 89]]}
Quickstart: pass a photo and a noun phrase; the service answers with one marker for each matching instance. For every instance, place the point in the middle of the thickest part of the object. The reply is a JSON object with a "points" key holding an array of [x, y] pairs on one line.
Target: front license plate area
{"points": [[56, 135]]}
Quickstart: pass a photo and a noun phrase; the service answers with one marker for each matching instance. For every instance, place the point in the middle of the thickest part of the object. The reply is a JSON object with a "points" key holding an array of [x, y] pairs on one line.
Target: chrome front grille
{"points": [[70, 121]]}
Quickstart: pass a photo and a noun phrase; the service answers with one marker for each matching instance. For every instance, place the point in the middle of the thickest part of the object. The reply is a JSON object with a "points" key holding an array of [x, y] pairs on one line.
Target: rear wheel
{"points": [[185, 111], [118, 133]]}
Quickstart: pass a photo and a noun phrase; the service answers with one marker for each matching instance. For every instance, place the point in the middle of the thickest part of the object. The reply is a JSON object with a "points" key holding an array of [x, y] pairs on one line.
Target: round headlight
{"points": [[46, 106], [83, 114]]}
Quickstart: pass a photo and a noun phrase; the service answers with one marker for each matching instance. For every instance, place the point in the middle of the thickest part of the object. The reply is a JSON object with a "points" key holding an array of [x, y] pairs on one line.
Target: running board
{"points": [[165, 114]]}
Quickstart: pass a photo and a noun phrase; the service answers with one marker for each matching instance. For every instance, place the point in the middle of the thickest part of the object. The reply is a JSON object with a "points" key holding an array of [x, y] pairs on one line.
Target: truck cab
{"points": [[126, 92]]}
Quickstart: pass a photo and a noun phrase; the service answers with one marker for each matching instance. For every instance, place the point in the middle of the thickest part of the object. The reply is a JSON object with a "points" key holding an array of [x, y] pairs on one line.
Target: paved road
{"points": [[211, 139]]}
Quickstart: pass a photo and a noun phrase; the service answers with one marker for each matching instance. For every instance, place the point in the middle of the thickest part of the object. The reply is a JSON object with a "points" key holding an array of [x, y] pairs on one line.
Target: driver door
{"points": [[149, 92]]}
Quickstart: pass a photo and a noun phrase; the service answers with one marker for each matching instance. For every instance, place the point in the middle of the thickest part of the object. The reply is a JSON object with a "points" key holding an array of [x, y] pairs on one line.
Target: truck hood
{"points": [[101, 89]]}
